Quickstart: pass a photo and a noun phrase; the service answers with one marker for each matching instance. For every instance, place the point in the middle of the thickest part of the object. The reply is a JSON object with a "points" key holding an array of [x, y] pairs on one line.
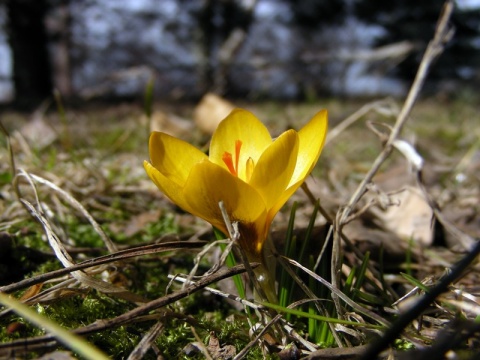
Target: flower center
{"points": [[228, 160], [232, 162]]}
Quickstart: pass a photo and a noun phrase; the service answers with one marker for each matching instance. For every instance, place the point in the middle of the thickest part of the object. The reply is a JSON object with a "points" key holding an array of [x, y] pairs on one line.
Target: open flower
{"points": [[251, 173]]}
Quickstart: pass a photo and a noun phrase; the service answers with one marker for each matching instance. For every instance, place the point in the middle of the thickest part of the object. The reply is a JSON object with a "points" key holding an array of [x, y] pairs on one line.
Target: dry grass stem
{"points": [[386, 266]]}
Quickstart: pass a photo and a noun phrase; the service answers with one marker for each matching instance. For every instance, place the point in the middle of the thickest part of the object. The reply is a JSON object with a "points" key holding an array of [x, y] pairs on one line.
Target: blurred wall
{"points": [[281, 49]]}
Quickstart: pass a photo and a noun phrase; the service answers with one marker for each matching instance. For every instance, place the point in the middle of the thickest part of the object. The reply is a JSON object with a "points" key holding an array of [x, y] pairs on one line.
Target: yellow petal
{"points": [[172, 157], [170, 188], [282, 199], [312, 137], [208, 184], [244, 126], [275, 167]]}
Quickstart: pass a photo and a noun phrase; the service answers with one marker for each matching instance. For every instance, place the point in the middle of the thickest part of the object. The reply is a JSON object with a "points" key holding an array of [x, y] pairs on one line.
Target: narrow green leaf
{"points": [[347, 289], [231, 261], [70, 340], [308, 233], [319, 317], [372, 299], [415, 282], [361, 273], [286, 282]]}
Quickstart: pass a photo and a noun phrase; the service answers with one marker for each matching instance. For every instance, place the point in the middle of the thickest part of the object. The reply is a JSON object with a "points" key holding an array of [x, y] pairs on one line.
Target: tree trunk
{"points": [[28, 41], [58, 29]]}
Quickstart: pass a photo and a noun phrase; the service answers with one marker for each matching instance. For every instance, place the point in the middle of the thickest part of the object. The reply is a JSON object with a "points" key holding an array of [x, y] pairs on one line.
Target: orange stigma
{"points": [[228, 159]]}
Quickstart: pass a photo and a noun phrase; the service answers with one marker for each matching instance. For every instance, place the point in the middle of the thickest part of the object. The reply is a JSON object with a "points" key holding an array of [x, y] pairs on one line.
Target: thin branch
{"points": [[131, 315], [424, 302], [442, 35], [120, 255]]}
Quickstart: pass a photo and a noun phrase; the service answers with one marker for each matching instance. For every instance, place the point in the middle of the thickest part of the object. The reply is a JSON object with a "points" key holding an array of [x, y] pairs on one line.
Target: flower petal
{"points": [[208, 184], [244, 126], [172, 157], [170, 188], [282, 199], [275, 167], [312, 137]]}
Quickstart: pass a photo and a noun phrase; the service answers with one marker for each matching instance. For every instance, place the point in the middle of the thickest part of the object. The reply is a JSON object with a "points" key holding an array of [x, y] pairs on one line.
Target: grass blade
{"points": [[72, 341]]}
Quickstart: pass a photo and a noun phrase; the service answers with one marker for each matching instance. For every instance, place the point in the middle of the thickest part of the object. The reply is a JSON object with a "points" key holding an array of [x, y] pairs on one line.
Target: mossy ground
{"points": [[97, 156]]}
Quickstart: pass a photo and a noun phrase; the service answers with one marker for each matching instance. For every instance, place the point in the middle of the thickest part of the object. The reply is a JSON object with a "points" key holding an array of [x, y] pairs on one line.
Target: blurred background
{"points": [[250, 49]]}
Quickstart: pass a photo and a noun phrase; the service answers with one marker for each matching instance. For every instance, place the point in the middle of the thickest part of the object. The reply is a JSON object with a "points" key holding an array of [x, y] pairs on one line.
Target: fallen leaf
{"points": [[138, 222], [220, 352], [58, 355], [171, 124], [464, 215], [38, 133], [210, 111], [375, 241], [409, 216], [290, 352], [31, 291]]}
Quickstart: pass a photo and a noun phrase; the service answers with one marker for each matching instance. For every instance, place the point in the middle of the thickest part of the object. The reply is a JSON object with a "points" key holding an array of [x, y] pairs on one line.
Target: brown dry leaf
{"points": [[290, 352], [394, 178], [38, 133], [31, 291], [465, 215], [218, 352], [410, 218], [210, 111], [137, 223], [348, 353], [400, 175], [375, 240], [58, 355], [171, 124]]}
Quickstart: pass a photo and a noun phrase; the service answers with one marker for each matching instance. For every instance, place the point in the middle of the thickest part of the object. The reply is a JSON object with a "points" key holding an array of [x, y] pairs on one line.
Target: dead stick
{"points": [[435, 47], [406, 318], [141, 310], [119, 255]]}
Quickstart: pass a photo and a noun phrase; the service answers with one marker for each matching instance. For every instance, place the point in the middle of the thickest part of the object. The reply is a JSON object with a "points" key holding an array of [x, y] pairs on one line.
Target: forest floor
{"points": [[73, 192]]}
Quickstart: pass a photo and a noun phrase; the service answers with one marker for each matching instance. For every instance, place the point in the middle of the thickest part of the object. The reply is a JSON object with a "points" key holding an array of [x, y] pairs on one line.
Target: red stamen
{"points": [[227, 159]]}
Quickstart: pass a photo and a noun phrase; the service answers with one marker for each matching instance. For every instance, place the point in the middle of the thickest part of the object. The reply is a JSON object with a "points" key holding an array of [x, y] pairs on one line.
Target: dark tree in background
{"points": [[28, 41], [310, 18], [463, 57], [285, 48], [224, 26], [415, 21], [315, 13], [58, 25]]}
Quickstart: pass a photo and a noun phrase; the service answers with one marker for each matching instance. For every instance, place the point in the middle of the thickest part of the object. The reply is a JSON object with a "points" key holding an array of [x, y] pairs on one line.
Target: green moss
{"points": [[28, 233], [165, 225], [52, 158], [78, 311], [445, 129], [5, 177], [177, 335], [149, 278], [118, 343], [84, 235], [403, 345]]}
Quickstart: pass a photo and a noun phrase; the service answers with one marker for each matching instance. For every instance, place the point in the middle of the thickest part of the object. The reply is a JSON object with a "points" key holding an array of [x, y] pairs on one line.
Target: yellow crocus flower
{"points": [[251, 173]]}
